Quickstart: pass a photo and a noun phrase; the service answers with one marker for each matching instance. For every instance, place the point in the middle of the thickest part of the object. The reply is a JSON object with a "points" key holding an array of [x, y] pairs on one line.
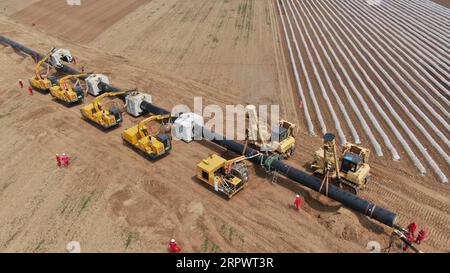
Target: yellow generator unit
{"points": [[353, 170], [100, 115], [225, 176], [141, 139], [67, 92]]}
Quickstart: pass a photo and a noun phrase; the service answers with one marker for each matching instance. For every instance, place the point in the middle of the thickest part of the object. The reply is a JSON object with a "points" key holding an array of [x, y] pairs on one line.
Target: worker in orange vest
{"points": [[410, 239], [66, 160], [421, 236], [298, 202], [412, 227], [58, 160], [174, 248]]}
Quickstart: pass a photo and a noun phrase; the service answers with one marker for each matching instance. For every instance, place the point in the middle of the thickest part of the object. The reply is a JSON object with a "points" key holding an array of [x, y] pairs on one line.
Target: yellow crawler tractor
{"points": [[286, 139], [43, 82], [281, 141], [353, 172], [141, 139], [225, 176], [68, 92], [99, 114]]}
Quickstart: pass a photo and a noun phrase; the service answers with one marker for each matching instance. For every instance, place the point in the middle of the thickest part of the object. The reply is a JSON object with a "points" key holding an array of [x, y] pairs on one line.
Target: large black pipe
{"points": [[345, 198], [150, 108]]}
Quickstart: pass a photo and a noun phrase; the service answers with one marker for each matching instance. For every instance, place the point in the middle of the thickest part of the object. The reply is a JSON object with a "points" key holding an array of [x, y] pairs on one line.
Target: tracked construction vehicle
{"points": [[225, 176], [100, 115], [67, 91], [151, 145], [55, 58], [351, 173], [280, 141]]}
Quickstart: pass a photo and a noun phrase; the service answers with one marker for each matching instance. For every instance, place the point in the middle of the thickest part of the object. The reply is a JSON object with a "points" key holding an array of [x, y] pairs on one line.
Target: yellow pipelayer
{"points": [[55, 57], [140, 138], [39, 82], [67, 92], [98, 114]]}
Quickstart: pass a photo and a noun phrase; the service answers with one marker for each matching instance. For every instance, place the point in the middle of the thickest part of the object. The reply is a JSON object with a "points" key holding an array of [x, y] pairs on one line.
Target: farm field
{"points": [[375, 74]]}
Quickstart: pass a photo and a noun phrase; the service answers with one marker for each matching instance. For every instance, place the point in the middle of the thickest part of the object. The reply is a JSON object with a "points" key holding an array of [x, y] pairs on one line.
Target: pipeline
{"points": [[65, 69], [274, 164], [270, 163]]}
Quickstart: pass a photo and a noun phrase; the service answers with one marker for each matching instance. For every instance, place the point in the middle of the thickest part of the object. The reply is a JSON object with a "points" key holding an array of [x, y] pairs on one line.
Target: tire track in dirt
{"points": [[436, 220]]}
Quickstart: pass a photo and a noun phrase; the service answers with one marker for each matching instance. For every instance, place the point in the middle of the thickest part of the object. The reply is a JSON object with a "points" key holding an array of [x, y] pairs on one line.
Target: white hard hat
{"points": [[297, 195], [63, 154], [172, 241]]}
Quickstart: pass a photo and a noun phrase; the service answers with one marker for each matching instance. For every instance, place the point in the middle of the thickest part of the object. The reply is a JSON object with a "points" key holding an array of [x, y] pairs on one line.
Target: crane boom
{"points": [[38, 66], [109, 94], [149, 119]]}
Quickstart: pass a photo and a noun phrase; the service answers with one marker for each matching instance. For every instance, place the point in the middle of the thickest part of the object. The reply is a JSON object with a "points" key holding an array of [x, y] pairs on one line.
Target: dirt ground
{"points": [[113, 200]]}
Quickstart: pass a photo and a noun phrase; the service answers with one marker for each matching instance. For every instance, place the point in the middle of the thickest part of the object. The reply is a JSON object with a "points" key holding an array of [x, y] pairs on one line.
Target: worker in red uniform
{"points": [[298, 202], [412, 227], [58, 160], [174, 248], [20, 83], [30, 90], [421, 236], [66, 160], [410, 239]]}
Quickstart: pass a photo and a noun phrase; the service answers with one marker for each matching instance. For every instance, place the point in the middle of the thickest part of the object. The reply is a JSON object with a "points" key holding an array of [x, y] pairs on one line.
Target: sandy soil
{"points": [[175, 50], [445, 3]]}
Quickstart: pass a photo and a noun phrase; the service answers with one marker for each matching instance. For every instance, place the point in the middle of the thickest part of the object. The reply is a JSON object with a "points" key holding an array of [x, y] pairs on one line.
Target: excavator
{"points": [[225, 176], [353, 172], [150, 145], [55, 58], [66, 91], [280, 142], [99, 114]]}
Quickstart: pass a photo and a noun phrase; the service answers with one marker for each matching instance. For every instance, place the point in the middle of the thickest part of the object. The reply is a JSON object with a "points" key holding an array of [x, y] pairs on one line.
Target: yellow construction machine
{"points": [[68, 92], [353, 172], [150, 145], [100, 115], [225, 176], [43, 82], [281, 141]]}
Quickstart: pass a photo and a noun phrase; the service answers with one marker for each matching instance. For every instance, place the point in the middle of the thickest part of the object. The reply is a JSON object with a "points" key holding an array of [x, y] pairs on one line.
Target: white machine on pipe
{"points": [[93, 83], [133, 102], [188, 127], [60, 55]]}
